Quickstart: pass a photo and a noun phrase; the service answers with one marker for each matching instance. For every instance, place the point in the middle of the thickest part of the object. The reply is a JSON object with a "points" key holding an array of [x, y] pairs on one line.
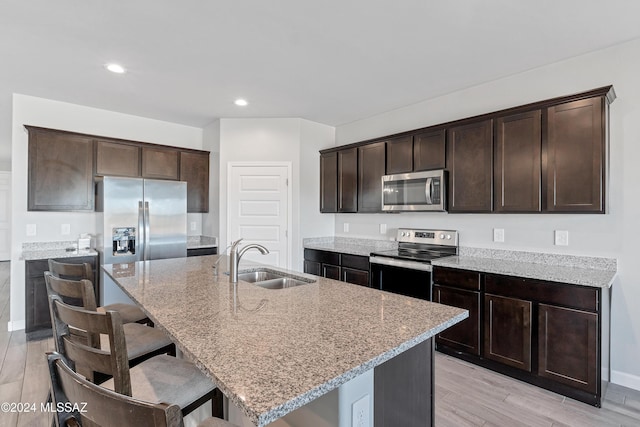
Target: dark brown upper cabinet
{"points": [[517, 160], [117, 159], [576, 149], [399, 155], [60, 171], [194, 169], [470, 155], [429, 150], [329, 182], [348, 180], [370, 171], [160, 163]]}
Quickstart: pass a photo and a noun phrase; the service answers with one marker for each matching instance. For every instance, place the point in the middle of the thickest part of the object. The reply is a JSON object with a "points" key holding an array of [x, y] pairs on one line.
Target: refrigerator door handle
{"points": [[146, 232], [141, 235]]}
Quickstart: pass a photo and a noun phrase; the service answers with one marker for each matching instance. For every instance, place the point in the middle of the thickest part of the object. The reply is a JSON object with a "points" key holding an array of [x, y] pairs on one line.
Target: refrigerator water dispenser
{"points": [[124, 240]]}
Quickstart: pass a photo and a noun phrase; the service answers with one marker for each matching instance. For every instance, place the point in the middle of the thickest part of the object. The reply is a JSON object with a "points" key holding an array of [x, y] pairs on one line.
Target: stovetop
{"points": [[422, 245]]}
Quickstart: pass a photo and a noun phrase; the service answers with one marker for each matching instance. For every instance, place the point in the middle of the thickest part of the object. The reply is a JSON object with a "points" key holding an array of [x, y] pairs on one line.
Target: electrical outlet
{"points": [[383, 228], [562, 237], [498, 234], [65, 229], [345, 227], [193, 226], [360, 412], [31, 229]]}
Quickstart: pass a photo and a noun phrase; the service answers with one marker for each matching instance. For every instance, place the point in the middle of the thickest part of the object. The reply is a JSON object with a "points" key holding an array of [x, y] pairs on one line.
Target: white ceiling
{"points": [[331, 61]]}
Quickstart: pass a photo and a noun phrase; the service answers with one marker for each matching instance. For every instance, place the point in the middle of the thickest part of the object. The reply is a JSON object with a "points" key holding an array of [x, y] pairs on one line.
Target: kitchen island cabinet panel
{"points": [[469, 161], [517, 163], [116, 159], [60, 171], [577, 138], [568, 343]]}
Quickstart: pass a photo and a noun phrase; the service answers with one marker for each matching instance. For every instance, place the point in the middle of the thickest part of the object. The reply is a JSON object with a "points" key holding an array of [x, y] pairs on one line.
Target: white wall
{"points": [[272, 140], [211, 142], [29, 110], [615, 234]]}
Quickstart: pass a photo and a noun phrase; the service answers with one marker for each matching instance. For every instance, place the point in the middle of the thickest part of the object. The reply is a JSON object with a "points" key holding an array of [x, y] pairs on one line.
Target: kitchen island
{"points": [[272, 351]]}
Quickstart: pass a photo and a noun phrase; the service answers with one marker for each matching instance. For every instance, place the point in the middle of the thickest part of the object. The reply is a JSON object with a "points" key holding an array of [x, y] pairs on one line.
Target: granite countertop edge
{"points": [[56, 253], [555, 273]]}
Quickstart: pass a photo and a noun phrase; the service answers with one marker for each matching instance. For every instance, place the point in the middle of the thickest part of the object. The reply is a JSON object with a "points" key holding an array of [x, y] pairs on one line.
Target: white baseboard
{"points": [[626, 380], [16, 325]]}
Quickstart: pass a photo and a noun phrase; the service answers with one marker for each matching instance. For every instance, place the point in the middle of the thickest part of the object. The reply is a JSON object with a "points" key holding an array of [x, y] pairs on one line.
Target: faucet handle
{"points": [[235, 244]]}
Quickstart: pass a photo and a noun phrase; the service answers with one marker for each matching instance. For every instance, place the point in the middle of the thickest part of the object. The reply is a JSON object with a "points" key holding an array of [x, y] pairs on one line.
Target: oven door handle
{"points": [[412, 265]]}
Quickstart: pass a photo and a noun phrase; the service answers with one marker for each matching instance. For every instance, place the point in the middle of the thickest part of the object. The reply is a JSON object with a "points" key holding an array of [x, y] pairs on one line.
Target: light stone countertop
{"points": [[273, 351], [45, 250], [197, 242], [562, 269], [347, 245]]}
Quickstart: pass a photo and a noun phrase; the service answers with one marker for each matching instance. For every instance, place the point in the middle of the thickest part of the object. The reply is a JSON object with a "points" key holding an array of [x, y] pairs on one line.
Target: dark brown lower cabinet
{"points": [[507, 331], [567, 346], [464, 336], [332, 265], [38, 319], [202, 251], [545, 333]]}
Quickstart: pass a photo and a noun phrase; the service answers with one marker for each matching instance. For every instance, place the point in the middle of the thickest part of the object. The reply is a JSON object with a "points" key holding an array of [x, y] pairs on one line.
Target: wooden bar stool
{"points": [[130, 313], [142, 341], [159, 379], [91, 404]]}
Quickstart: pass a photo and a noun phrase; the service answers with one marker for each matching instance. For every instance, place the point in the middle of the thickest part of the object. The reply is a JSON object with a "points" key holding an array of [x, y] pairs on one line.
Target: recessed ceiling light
{"points": [[241, 102], [116, 68]]}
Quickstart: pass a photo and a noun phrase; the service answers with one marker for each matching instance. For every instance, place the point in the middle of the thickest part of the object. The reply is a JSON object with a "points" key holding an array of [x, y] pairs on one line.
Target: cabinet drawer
{"points": [[324, 257], [457, 278], [357, 277], [573, 296], [355, 261]]}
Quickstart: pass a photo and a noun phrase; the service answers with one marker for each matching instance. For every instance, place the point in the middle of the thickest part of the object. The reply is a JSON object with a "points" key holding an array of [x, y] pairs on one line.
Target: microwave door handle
{"points": [[428, 190]]}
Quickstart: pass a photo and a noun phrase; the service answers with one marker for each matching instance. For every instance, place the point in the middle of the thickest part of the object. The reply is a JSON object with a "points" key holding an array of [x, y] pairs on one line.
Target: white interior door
{"points": [[259, 210], [5, 216]]}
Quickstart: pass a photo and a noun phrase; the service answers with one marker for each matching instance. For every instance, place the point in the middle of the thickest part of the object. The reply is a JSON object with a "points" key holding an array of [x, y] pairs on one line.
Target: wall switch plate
{"points": [[345, 227], [193, 226], [31, 229], [562, 237], [360, 412], [383, 228], [65, 229], [498, 234]]}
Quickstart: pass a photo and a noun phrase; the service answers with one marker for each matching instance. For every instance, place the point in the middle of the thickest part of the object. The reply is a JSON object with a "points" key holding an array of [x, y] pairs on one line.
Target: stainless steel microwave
{"points": [[417, 191]]}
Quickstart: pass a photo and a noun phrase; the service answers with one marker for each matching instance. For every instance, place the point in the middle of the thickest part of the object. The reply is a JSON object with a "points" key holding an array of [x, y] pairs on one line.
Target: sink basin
{"points": [[258, 276], [272, 280], [280, 283]]}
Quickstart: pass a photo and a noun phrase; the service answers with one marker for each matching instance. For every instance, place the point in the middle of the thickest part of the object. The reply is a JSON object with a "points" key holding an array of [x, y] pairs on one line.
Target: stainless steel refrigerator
{"points": [[139, 220]]}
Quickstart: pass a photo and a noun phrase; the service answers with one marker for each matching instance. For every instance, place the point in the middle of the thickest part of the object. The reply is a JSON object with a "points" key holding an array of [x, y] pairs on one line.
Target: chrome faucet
{"points": [[236, 254]]}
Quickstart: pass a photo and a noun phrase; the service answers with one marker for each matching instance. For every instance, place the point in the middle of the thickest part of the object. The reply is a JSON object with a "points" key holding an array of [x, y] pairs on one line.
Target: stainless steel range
{"points": [[407, 270]]}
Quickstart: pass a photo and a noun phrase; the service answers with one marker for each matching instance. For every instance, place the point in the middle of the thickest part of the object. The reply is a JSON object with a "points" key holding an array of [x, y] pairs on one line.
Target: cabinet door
{"points": [[517, 172], [464, 336], [575, 156], [371, 161], [429, 151], [469, 157], [117, 159], [313, 267], [507, 331], [331, 271], [194, 169], [348, 180], [60, 171], [159, 163], [329, 182], [400, 155], [568, 346], [357, 277]]}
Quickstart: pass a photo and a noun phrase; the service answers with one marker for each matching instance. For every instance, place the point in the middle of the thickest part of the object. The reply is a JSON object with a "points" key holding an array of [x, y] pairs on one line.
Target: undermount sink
{"points": [[271, 280]]}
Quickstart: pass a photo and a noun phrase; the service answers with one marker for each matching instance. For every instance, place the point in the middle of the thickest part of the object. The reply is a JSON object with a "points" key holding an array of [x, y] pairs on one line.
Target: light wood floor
{"points": [[466, 395]]}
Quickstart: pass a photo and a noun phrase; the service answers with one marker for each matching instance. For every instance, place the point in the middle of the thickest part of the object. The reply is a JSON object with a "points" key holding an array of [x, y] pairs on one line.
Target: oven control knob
{"points": [[448, 236], [442, 236]]}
